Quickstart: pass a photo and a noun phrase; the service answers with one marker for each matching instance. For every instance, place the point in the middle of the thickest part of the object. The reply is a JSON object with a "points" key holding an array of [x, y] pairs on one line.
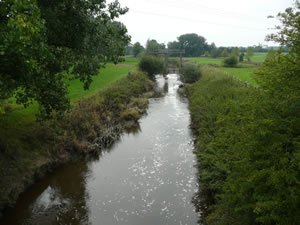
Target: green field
{"points": [[244, 71], [19, 120], [206, 60]]}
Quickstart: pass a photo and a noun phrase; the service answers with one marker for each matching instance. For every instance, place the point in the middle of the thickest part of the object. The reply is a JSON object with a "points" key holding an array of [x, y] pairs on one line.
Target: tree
{"points": [[190, 73], [153, 47], [129, 49], [235, 52], [249, 53], [42, 39], [193, 44], [230, 61], [137, 49], [151, 65], [241, 57], [224, 53]]}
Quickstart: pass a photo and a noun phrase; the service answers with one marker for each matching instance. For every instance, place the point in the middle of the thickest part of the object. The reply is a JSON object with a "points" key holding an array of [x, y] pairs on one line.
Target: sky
{"points": [[224, 22]]}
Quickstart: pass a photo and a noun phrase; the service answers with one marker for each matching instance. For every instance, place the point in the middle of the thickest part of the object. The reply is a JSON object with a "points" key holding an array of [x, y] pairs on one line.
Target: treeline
{"points": [[248, 138], [195, 45]]}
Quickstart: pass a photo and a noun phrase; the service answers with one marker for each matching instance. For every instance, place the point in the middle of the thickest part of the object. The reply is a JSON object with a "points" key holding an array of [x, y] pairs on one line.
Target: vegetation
{"points": [[153, 47], [151, 65], [231, 61], [243, 71], [40, 49], [190, 73], [249, 53], [93, 123], [137, 49], [248, 139]]}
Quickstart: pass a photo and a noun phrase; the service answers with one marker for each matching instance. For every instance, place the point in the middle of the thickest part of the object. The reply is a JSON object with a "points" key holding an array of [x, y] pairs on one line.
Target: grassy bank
{"points": [[247, 175], [244, 71], [19, 122], [29, 149]]}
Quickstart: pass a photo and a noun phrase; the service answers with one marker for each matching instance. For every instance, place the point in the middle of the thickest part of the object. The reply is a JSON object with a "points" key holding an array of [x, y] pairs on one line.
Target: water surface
{"points": [[147, 178]]}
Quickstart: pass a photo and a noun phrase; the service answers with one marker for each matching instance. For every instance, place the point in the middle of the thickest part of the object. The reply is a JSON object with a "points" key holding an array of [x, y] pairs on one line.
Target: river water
{"points": [[147, 178]]}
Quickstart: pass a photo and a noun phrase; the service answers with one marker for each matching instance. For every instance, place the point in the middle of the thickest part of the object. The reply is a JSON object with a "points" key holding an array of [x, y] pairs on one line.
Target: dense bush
{"points": [[248, 145], [231, 61], [151, 65], [190, 73]]}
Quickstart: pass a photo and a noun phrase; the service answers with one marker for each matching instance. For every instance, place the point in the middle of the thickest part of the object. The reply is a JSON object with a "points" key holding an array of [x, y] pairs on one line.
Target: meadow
{"points": [[244, 71], [18, 121]]}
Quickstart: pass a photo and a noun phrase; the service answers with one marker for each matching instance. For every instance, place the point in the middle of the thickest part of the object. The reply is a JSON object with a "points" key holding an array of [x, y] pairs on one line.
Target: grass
{"points": [[243, 72], [21, 120], [28, 148], [206, 60]]}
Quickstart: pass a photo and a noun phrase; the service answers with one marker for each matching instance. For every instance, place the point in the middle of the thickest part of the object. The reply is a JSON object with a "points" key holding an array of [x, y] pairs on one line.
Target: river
{"points": [[147, 178]]}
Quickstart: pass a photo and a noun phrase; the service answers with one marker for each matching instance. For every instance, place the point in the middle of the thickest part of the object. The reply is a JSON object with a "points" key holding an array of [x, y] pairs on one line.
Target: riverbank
{"points": [[148, 177], [246, 146], [94, 123]]}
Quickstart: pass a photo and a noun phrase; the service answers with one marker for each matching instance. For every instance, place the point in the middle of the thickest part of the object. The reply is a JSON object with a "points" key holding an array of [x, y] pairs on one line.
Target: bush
{"points": [[247, 145], [230, 61], [151, 65], [190, 73]]}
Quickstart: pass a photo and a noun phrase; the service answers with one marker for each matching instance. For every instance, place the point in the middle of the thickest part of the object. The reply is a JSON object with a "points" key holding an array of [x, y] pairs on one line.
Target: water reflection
{"points": [[58, 199], [148, 177]]}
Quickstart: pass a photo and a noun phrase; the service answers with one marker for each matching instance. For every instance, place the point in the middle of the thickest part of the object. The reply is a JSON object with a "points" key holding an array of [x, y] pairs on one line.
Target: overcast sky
{"points": [[225, 22]]}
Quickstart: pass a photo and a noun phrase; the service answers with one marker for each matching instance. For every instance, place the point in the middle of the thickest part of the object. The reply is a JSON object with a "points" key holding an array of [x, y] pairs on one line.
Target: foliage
{"points": [[40, 40], [153, 47], [129, 50], [174, 45], [190, 73], [230, 61], [193, 44], [225, 53], [241, 57], [39, 144], [249, 53], [151, 65], [288, 33], [235, 52], [137, 49], [248, 139]]}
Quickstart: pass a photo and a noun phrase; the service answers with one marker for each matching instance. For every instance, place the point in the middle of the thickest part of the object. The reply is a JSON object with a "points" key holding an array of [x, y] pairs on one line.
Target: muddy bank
{"points": [[93, 124]]}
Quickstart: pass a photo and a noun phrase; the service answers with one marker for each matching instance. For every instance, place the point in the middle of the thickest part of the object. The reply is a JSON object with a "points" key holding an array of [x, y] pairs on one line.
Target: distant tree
{"points": [[231, 61], [151, 65], [217, 52], [241, 58], [212, 46], [235, 52], [224, 53], [206, 54], [249, 53], [137, 49], [153, 47], [193, 44], [129, 50]]}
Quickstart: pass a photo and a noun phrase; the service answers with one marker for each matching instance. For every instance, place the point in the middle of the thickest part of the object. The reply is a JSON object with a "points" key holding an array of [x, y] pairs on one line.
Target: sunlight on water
{"points": [[147, 178]]}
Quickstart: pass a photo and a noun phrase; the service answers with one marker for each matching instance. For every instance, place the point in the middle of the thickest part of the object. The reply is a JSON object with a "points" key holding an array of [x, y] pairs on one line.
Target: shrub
{"points": [[151, 65], [190, 73], [230, 61]]}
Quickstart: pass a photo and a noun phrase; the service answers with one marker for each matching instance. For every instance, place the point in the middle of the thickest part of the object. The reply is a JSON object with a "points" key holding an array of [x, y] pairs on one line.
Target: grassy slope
{"points": [[244, 72], [21, 121]]}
